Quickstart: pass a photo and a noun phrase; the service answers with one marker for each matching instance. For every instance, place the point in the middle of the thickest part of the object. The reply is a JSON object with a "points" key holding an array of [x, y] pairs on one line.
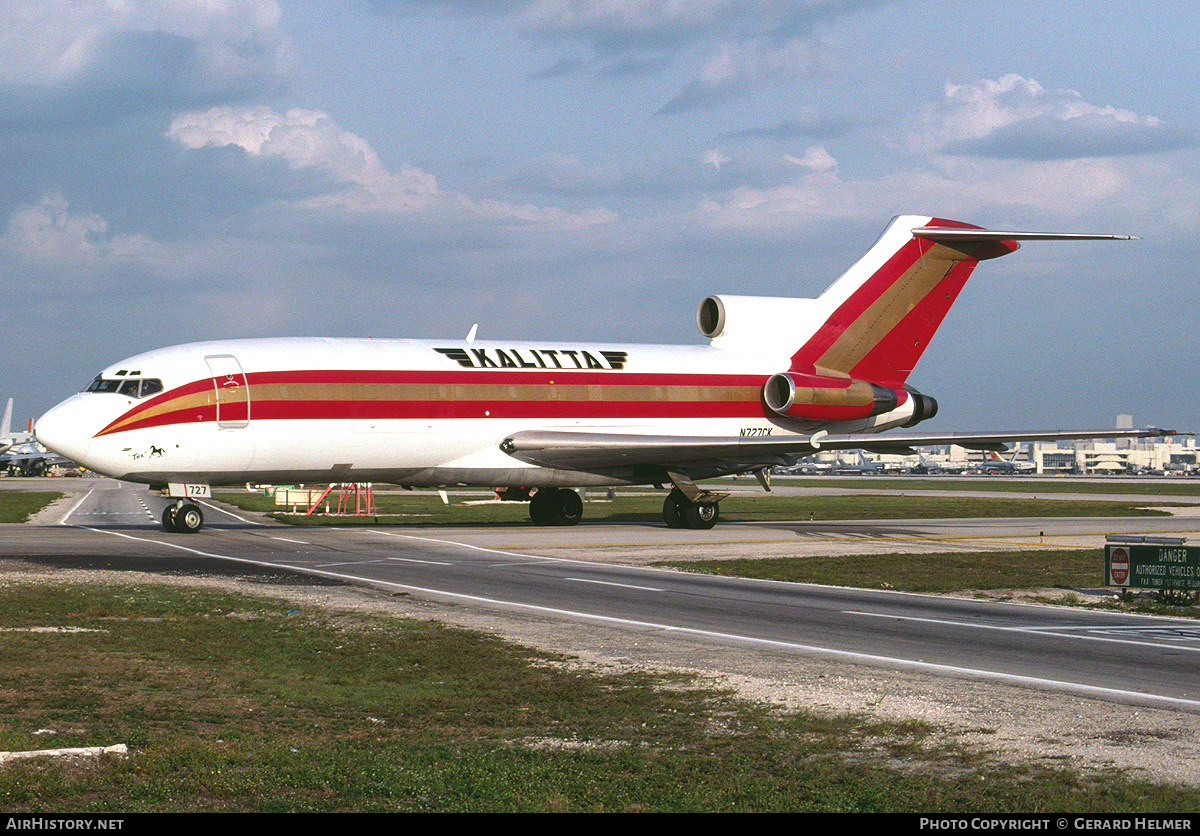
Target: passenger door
{"points": [[233, 395]]}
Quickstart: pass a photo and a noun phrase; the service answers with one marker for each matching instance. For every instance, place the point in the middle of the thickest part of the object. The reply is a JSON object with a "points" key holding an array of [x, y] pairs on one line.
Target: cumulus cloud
{"points": [[360, 182], [1006, 146], [51, 232], [309, 139], [1016, 118], [679, 178], [809, 189], [613, 26], [748, 43], [620, 25], [738, 68], [815, 158], [807, 124], [90, 60]]}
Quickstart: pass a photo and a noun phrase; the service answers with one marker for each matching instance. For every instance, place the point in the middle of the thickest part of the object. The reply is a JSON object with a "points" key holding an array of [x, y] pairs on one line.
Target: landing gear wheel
{"points": [[555, 506], [539, 507], [185, 519], [189, 519], [673, 510], [681, 512], [701, 517]]}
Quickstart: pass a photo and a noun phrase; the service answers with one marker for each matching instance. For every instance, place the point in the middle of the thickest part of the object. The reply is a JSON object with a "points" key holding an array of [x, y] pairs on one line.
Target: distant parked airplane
{"points": [[6, 436], [995, 464], [29, 459]]}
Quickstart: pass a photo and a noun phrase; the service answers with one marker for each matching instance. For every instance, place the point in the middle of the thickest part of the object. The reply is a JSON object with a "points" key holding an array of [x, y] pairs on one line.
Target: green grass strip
{"points": [[232, 703], [939, 572], [19, 506], [1019, 484], [419, 508]]}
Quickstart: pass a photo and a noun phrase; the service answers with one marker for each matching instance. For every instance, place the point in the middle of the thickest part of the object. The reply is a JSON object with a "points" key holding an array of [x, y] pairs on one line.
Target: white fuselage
{"points": [[413, 412]]}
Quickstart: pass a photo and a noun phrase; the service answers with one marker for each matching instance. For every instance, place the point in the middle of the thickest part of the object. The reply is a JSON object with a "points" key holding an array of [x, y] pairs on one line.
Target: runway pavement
{"points": [[583, 575]]}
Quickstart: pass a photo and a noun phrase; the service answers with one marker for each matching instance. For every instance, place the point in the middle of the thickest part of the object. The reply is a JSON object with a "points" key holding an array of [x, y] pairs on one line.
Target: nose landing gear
{"points": [[183, 518], [183, 515]]}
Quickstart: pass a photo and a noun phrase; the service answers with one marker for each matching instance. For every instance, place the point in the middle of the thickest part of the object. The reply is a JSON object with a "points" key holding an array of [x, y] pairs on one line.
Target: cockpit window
{"points": [[102, 385], [130, 388]]}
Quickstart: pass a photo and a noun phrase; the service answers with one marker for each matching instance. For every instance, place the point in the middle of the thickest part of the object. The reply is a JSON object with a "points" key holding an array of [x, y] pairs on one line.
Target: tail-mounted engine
{"points": [[757, 319], [818, 397], [782, 324]]}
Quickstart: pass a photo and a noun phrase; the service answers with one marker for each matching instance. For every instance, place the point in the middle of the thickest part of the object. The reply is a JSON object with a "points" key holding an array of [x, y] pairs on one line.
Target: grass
{"points": [[1017, 484], [251, 704], [18, 506], [935, 573], [944, 572], [423, 508]]}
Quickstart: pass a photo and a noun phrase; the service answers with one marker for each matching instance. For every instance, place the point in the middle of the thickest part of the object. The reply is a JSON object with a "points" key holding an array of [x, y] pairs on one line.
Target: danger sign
{"points": [[1118, 566], [1164, 564]]}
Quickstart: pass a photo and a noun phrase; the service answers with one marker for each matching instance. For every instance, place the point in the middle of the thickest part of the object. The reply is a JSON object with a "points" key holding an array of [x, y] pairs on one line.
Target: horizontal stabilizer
{"points": [[949, 234]]}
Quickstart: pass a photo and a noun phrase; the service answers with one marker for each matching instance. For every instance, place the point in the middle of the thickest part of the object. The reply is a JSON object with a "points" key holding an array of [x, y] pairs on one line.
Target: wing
{"points": [[702, 457]]}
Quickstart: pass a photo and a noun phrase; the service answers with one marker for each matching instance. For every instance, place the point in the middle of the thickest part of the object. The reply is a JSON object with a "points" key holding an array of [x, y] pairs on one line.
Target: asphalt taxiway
{"points": [[588, 574]]}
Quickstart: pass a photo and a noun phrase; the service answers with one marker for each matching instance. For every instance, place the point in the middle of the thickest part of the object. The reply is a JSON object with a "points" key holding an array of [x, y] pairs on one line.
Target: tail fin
{"points": [[884, 310], [6, 436]]}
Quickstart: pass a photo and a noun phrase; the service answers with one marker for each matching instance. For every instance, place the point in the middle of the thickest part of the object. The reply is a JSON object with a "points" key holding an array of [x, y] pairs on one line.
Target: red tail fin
{"points": [[890, 303]]}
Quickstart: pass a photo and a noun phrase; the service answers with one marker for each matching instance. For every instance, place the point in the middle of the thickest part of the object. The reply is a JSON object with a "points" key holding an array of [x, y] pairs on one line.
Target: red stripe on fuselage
{"points": [[385, 410], [565, 377], [172, 407]]}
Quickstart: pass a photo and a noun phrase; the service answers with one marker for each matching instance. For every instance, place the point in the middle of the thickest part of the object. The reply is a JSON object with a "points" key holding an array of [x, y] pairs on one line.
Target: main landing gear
{"points": [[556, 506], [183, 518], [561, 506], [681, 512]]}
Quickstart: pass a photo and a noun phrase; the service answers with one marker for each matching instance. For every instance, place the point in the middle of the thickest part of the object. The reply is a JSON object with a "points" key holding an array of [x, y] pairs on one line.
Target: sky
{"points": [[184, 170]]}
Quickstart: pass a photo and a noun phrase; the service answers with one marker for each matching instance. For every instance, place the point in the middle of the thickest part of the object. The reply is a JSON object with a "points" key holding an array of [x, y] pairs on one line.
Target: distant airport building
{"points": [[1176, 455]]}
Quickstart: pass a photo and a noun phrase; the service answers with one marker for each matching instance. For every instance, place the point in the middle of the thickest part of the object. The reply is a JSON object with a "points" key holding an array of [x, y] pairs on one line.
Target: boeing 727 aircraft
{"points": [[780, 379]]}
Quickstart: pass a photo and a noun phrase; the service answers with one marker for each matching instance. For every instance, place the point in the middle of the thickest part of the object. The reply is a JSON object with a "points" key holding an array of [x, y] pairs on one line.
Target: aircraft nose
{"points": [[65, 429]]}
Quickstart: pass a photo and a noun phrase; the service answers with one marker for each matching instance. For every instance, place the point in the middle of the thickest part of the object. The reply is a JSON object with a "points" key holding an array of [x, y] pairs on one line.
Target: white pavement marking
{"points": [[863, 658], [610, 583], [1061, 632], [75, 507]]}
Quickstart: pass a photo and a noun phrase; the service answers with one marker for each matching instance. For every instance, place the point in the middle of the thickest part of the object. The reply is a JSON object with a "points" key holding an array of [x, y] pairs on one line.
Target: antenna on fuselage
{"points": [[471, 333]]}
